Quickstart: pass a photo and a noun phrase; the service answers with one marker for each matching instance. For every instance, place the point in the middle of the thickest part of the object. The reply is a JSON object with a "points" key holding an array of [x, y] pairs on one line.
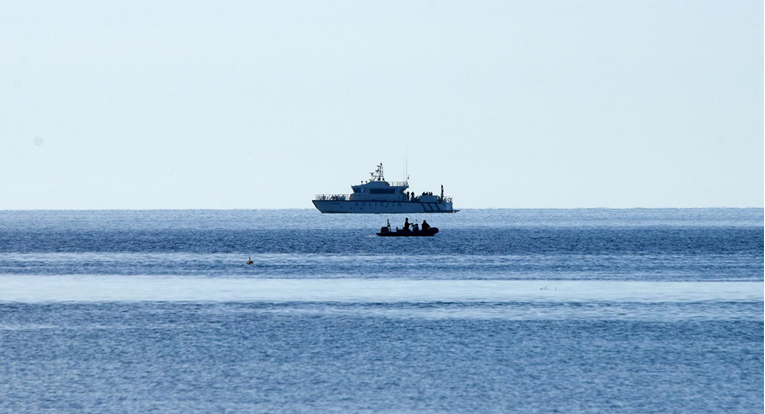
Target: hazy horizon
{"points": [[383, 214], [508, 104]]}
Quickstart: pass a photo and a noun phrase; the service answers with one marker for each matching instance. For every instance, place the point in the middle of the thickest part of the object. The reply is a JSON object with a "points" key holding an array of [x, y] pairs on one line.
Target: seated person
{"points": [[406, 223], [425, 225]]}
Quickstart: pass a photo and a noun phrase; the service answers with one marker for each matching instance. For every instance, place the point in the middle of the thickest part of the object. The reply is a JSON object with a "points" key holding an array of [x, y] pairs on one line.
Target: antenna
{"points": [[406, 166]]}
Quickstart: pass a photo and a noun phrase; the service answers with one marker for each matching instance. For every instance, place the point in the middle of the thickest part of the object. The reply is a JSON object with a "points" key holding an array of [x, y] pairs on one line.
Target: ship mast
{"points": [[378, 174]]}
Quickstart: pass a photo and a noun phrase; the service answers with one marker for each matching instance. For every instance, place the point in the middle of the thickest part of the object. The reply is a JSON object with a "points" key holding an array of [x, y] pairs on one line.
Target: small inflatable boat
{"points": [[386, 232]]}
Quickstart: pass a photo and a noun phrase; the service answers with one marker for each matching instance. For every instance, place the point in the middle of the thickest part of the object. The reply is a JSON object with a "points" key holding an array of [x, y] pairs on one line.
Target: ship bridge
{"points": [[377, 189]]}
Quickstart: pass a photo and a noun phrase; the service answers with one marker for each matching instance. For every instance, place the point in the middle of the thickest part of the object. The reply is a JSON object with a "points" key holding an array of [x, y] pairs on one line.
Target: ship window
{"points": [[356, 190], [383, 191]]}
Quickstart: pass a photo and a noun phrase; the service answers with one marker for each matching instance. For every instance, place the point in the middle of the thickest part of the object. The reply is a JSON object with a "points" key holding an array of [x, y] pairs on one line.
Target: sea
{"points": [[503, 311]]}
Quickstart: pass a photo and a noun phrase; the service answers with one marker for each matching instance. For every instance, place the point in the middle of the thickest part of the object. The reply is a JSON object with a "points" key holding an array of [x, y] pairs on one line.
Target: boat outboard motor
{"points": [[383, 229]]}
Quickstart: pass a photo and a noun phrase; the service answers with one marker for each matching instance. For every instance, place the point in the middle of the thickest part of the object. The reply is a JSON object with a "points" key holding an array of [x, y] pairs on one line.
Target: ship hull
{"points": [[382, 207]]}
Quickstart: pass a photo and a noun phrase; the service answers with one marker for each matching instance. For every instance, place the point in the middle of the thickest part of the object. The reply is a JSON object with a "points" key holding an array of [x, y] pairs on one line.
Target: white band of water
{"points": [[108, 288]]}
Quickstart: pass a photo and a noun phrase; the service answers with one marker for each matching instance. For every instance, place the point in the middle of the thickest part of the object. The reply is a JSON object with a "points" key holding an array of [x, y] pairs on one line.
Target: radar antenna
{"points": [[378, 174]]}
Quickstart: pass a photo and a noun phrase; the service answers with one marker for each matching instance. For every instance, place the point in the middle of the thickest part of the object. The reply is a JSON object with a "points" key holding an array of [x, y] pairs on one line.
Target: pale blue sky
{"points": [[242, 104]]}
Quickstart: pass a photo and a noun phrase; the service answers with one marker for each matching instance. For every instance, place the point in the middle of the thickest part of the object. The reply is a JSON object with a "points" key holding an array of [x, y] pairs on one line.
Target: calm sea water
{"points": [[574, 311]]}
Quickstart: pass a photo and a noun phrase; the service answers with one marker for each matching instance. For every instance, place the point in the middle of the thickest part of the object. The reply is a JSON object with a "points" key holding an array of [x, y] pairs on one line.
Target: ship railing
{"points": [[440, 199], [391, 183], [332, 197], [398, 183]]}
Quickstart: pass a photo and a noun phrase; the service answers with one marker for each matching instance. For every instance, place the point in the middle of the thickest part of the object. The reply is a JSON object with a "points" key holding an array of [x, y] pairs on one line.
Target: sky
{"points": [[264, 104]]}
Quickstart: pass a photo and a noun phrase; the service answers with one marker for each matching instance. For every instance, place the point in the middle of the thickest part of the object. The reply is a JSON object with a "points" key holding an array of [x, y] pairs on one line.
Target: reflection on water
{"points": [[74, 288]]}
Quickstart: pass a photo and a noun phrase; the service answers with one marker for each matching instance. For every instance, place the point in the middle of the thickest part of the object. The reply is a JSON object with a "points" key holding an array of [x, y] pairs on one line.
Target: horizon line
{"points": [[314, 209]]}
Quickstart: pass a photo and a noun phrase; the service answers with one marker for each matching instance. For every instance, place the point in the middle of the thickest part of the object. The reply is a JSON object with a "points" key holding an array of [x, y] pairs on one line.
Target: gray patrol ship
{"points": [[378, 196]]}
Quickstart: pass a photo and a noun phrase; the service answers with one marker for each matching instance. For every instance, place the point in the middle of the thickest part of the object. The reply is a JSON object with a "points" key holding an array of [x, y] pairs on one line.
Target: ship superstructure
{"points": [[377, 195]]}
